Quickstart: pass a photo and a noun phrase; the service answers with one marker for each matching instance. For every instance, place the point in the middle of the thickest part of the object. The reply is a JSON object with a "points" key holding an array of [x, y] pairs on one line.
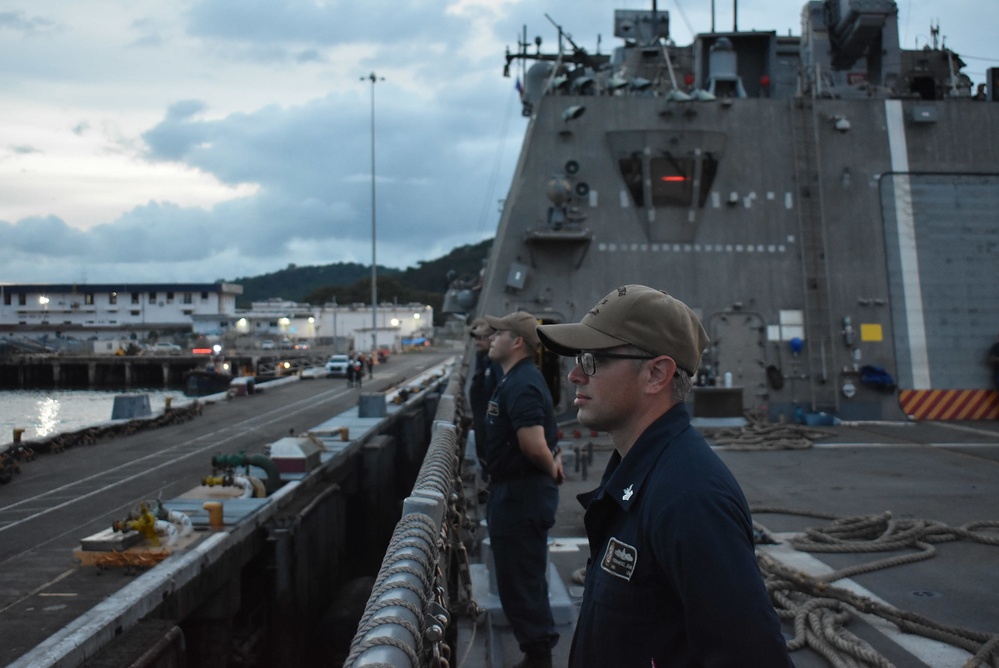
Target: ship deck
{"points": [[944, 472]]}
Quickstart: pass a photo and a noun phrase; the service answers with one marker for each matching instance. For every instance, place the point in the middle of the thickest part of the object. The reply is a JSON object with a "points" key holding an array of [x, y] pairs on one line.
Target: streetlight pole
{"points": [[374, 262]]}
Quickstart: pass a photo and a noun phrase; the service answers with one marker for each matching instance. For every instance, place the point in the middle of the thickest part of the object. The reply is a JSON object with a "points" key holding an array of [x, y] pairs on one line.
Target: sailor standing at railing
{"points": [[672, 578], [485, 376], [524, 467]]}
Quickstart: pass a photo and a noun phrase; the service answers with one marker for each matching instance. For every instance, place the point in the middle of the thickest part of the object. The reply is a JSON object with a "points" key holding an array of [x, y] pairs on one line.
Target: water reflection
{"points": [[48, 416], [44, 413]]}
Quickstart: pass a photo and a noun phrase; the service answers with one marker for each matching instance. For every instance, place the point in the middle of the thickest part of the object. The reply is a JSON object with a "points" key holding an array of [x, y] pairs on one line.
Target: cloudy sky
{"points": [[192, 140]]}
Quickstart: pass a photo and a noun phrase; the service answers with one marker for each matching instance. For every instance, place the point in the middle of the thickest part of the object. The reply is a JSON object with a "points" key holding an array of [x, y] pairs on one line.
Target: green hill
{"points": [[349, 282]]}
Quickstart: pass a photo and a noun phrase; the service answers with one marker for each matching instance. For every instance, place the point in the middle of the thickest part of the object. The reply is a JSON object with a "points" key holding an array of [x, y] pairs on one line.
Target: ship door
{"points": [[740, 349]]}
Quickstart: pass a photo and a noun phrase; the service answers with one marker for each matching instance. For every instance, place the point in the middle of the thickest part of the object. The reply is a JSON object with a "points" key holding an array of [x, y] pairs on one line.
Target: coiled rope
{"points": [[759, 434], [821, 611]]}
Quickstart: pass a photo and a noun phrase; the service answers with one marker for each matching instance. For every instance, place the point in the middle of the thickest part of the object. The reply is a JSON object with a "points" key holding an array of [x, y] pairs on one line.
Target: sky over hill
{"points": [[202, 139]]}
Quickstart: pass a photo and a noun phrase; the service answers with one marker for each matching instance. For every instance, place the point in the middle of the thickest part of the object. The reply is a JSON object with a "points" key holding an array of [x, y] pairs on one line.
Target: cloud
{"points": [[20, 22], [320, 23], [22, 149], [45, 236]]}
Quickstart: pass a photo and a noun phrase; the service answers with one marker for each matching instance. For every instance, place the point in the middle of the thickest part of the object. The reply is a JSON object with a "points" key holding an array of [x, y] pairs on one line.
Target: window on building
{"points": [[88, 299], [152, 297], [135, 297], [135, 312], [22, 299], [169, 298], [204, 296], [113, 298], [6, 299], [188, 299]]}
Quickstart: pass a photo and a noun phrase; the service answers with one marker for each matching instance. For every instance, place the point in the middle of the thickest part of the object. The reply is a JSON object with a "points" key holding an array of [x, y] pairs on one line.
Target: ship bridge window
{"points": [[631, 172], [672, 179], [924, 87]]}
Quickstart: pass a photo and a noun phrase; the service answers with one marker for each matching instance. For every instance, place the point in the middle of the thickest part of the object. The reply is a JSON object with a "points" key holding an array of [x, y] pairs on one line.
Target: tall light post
{"points": [[374, 262]]}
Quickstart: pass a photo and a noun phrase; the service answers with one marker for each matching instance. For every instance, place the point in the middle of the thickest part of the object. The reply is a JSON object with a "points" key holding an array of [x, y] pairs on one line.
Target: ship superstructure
{"points": [[826, 203]]}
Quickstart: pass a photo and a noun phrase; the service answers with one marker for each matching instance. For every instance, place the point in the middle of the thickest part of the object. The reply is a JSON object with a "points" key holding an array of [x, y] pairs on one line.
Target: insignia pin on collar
{"points": [[628, 492]]}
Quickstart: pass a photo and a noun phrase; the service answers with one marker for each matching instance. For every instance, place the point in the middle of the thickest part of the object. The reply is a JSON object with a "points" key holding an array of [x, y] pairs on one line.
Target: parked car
{"points": [[337, 365], [267, 344], [383, 355], [166, 347], [285, 344]]}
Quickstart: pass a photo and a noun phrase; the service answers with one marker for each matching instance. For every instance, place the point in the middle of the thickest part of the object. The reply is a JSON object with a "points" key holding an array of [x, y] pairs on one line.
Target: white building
{"points": [[349, 326], [108, 309], [133, 310]]}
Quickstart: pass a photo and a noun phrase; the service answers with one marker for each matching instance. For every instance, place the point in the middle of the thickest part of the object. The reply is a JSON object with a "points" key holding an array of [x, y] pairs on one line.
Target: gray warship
{"points": [[826, 203]]}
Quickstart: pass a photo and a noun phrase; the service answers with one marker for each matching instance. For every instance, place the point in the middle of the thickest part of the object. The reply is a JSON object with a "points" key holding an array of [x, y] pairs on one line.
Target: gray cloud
{"points": [[22, 149], [46, 235], [333, 22], [21, 22]]}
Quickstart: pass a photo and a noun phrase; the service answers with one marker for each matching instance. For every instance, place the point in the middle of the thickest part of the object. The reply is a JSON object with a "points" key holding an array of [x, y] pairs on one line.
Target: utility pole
{"points": [[374, 260]]}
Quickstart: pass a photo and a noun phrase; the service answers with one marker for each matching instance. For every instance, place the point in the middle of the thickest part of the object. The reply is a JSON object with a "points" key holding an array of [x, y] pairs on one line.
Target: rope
{"points": [[821, 611], [759, 434]]}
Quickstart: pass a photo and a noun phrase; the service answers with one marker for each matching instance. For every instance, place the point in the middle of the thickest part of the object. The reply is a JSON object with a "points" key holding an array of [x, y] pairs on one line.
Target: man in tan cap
{"points": [[672, 578], [523, 463], [485, 376]]}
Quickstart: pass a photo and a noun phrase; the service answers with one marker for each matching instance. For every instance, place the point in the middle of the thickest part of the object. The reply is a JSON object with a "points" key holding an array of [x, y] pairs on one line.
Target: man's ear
{"points": [[661, 372]]}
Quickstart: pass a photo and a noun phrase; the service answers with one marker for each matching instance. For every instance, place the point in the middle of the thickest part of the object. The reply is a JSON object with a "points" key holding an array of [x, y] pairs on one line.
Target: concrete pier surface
{"points": [[59, 499]]}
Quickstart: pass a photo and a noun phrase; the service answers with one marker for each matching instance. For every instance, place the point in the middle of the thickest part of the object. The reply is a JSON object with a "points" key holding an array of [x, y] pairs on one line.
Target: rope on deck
{"points": [[760, 434], [820, 611]]}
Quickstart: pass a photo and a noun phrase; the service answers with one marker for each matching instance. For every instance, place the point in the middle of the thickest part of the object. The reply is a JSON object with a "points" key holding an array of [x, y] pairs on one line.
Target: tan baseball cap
{"points": [[480, 327], [521, 323], [638, 315]]}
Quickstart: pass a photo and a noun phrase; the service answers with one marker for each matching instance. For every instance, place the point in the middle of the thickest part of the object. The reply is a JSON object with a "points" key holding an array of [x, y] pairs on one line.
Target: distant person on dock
{"points": [[358, 364], [524, 467], [672, 578], [993, 359], [485, 375], [369, 361]]}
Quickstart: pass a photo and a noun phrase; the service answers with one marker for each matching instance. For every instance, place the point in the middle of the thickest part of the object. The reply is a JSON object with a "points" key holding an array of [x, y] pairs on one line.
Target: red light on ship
{"points": [[764, 81], [674, 179], [688, 78], [202, 351]]}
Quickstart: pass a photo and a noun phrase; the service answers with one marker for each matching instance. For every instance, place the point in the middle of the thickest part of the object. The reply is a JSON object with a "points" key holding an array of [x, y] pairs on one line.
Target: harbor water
{"points": [[43, 413]]}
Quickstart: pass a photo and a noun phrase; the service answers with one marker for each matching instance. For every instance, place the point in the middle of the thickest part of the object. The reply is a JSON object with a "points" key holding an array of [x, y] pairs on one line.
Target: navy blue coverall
{"points": [[522, 504], [672, 579]]}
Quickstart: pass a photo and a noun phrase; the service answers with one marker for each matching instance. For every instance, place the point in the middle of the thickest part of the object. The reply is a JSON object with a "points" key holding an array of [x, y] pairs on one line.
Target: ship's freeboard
{"points": [[826, 203]]}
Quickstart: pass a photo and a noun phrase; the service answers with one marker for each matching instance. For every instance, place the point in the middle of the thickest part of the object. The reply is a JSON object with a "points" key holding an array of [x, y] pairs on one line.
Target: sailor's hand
{"points": [[558, 473]]}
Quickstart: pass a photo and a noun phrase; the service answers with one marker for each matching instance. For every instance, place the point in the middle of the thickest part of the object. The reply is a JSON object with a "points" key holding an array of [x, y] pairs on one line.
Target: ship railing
{"points": [[406, 617]]}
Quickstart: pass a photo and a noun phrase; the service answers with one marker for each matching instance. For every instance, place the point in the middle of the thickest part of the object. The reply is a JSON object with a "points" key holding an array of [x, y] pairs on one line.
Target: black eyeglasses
{"points": [[588, 360]]}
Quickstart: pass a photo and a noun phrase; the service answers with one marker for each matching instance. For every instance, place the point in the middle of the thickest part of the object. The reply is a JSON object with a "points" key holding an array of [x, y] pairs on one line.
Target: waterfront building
{"points": [[107, 310], [59, 313], [345, 326]]}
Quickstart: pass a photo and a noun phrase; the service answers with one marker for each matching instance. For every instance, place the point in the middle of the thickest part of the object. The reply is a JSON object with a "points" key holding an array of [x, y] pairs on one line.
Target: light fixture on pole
{"points": [[374, 262]]}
